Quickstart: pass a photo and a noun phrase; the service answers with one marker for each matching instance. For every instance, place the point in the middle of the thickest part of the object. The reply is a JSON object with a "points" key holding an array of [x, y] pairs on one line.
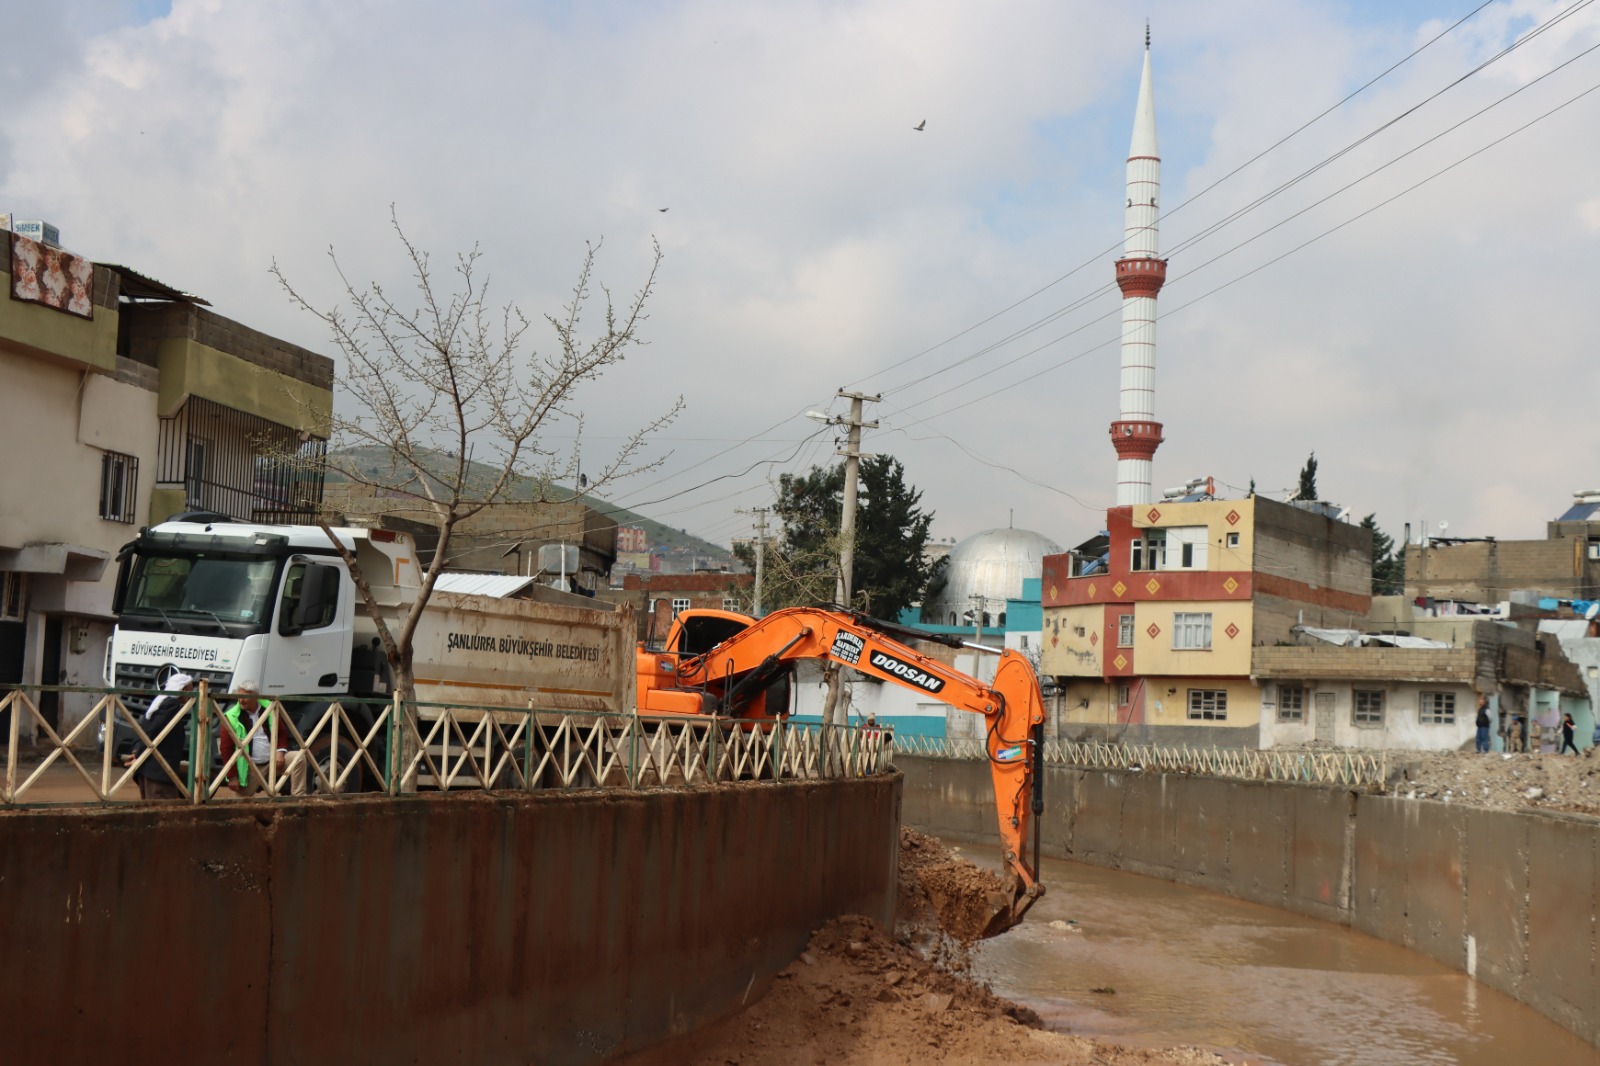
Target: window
{"points": [[729, 603], [13, 589], [1186, 548], [1367, 709], [1125, 631], [679, 605], [1150, 551], [1291, 703], [1208, 704], [1124, 695], [1191, 631], [119, 486], [1594, 547], [1438, 708], [195, 472], [1233, 540], [294, 587]]}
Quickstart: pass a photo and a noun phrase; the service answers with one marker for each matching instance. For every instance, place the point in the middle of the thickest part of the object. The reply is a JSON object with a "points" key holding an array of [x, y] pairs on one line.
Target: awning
{"points": [[75, 562]]}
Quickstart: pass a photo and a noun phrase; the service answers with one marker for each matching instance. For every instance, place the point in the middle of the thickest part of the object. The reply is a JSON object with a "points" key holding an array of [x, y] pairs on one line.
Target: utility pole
{"points": [[833, 713], [761, 552]]}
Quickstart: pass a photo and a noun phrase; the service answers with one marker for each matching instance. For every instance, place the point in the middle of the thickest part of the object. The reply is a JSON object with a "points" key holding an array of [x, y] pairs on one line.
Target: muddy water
{"points": [[1259, 985]]}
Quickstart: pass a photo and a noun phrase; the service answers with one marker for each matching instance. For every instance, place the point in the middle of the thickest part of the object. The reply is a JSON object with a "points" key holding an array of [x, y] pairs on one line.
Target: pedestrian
{"points": [[1483, 723], [265, 744], [1567, 727], [152, 778], [1522, 733]]}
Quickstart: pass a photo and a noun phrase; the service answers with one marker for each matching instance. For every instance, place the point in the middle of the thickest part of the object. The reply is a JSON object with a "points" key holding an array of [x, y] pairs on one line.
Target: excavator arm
{"points": [[732, 676]]}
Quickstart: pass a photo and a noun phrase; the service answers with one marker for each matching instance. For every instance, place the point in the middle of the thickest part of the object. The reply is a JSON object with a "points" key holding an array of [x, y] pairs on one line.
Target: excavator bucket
{"points": [[1006, 908]]}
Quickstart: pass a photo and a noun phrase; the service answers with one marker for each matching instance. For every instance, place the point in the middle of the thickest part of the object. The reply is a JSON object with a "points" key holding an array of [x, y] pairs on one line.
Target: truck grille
{"points": [[141, 678]]}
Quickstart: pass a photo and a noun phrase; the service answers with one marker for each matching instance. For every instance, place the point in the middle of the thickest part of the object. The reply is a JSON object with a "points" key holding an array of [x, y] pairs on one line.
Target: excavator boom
{"points": [[732, 675]]}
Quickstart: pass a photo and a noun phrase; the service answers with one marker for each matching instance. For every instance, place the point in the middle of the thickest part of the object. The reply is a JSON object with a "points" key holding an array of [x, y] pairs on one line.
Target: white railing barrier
{"points": [[358, 747], [1353, 769]]}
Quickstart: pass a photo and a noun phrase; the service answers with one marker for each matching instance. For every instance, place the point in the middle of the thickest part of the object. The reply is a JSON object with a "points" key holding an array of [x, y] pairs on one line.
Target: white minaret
{"points": [[1136, 434]]}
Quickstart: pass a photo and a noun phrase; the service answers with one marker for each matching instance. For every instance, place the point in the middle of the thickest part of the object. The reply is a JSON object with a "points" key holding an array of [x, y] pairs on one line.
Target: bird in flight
{"points": [[919, 127], [663, 210]]}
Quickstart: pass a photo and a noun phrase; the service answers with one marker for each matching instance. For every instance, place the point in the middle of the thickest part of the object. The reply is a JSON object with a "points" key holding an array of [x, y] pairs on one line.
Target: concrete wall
{"points": [[1507, 897], [558, 928]]}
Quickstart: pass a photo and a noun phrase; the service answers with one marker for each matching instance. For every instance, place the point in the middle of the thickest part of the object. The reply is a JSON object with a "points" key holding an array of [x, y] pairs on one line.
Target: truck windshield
{"points": [[229, 588]]}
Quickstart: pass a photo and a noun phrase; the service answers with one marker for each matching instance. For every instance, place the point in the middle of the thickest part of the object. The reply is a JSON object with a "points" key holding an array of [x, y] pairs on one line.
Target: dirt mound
{"points": [[860, 997], [1501, 782], [857, 996], [942, 892]]}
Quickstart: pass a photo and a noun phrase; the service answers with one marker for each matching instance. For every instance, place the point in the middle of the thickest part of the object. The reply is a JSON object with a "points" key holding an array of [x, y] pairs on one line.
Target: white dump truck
{"points": [[233, 602]]}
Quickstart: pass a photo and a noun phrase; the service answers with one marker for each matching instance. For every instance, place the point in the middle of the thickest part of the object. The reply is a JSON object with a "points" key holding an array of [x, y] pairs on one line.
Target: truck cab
{"points": [[230, 602]]}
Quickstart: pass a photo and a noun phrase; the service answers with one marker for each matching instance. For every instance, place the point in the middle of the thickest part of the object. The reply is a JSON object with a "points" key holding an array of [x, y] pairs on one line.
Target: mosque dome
{"points": [[991, 564]]}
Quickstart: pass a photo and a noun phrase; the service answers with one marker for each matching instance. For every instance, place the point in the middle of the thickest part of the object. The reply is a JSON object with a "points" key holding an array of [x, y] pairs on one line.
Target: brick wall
{"points": [[1488, 571], [1312, 549], [147, 327], [1327, 662]]}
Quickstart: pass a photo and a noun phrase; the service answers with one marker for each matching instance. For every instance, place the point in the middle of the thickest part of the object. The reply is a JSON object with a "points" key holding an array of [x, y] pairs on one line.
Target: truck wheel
{"points": [[322, 754]]}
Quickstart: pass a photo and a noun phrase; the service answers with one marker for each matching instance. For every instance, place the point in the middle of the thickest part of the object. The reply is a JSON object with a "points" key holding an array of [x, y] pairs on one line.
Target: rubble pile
{"points": [[1569, 783]]}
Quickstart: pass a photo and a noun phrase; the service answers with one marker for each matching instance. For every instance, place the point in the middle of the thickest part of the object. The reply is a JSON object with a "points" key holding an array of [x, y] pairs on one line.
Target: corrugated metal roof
{"points": [[498, 585], [137, 285]]}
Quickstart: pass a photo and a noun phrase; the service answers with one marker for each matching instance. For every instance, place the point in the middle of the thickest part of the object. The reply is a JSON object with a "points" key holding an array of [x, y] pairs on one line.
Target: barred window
{"points": [[1438, 708], [1208, 704], [679, 605], [1124, 695], [119, 486], [1291, 703], [13, 595], [1367, 709], [1125, 631], [1191, 631]]}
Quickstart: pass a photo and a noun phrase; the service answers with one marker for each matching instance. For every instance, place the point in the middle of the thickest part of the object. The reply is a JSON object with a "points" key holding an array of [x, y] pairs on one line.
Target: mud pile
{"points": [[860, 997], [940, 892]]}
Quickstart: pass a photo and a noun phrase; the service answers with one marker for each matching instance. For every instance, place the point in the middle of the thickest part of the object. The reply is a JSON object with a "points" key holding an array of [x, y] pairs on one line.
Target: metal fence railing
{"points": [[353, 747], [1352, 769]]}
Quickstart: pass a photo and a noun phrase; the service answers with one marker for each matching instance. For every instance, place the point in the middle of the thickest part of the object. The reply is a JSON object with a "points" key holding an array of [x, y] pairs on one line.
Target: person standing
{"points": [[1483, 723], [1567, 728], [152, 778]]}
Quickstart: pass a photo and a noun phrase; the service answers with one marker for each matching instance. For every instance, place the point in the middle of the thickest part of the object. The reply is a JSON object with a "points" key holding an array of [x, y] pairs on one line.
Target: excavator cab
{"points": [[694, 633]]}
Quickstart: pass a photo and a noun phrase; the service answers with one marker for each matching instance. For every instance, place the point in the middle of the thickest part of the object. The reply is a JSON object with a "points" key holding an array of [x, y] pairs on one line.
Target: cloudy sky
{"points": [[1389, 287]]}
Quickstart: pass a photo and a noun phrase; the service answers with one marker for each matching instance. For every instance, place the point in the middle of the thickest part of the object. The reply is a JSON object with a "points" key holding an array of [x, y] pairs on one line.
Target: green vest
{"points": [[234, 716]]}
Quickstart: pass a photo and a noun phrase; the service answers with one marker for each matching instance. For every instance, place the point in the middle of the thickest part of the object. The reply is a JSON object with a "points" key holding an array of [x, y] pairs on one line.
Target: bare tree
{"points": [[444, 387]]}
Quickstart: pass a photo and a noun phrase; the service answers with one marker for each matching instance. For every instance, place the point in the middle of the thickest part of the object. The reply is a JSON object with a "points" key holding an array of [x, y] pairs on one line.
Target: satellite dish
{"points": [[1443, 526]]}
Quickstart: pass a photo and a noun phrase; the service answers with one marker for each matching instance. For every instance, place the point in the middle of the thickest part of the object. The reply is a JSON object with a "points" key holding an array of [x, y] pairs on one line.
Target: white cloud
{"points": [[1433, 353]]}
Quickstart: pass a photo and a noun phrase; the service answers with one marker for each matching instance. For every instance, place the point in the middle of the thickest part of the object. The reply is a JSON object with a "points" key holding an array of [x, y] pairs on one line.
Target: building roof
{"points": [[496, 585], [141, 286], [992, 564]]}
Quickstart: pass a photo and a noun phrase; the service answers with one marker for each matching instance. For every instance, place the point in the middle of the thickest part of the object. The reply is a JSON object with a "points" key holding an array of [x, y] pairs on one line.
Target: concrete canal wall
{"points": [[1508, 897], [550, 928]]}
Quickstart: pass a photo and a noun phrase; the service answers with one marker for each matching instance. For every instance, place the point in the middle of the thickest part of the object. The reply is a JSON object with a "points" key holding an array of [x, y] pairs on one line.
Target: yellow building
{"points": [[1151, 628]]}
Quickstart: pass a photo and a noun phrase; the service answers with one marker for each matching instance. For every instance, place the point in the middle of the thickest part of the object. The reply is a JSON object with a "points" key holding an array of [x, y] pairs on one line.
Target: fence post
{"points": [[527, 750], [395, 733], [13, 730], [200, 728]]}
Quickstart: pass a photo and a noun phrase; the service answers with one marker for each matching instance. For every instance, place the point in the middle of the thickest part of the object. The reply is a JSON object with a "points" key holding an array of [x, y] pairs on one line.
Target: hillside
{"points": [[373, 461]]}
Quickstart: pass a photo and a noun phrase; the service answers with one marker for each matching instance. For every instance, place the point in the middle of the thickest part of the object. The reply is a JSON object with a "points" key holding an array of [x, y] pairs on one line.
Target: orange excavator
{"points": [[735, 666]]}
